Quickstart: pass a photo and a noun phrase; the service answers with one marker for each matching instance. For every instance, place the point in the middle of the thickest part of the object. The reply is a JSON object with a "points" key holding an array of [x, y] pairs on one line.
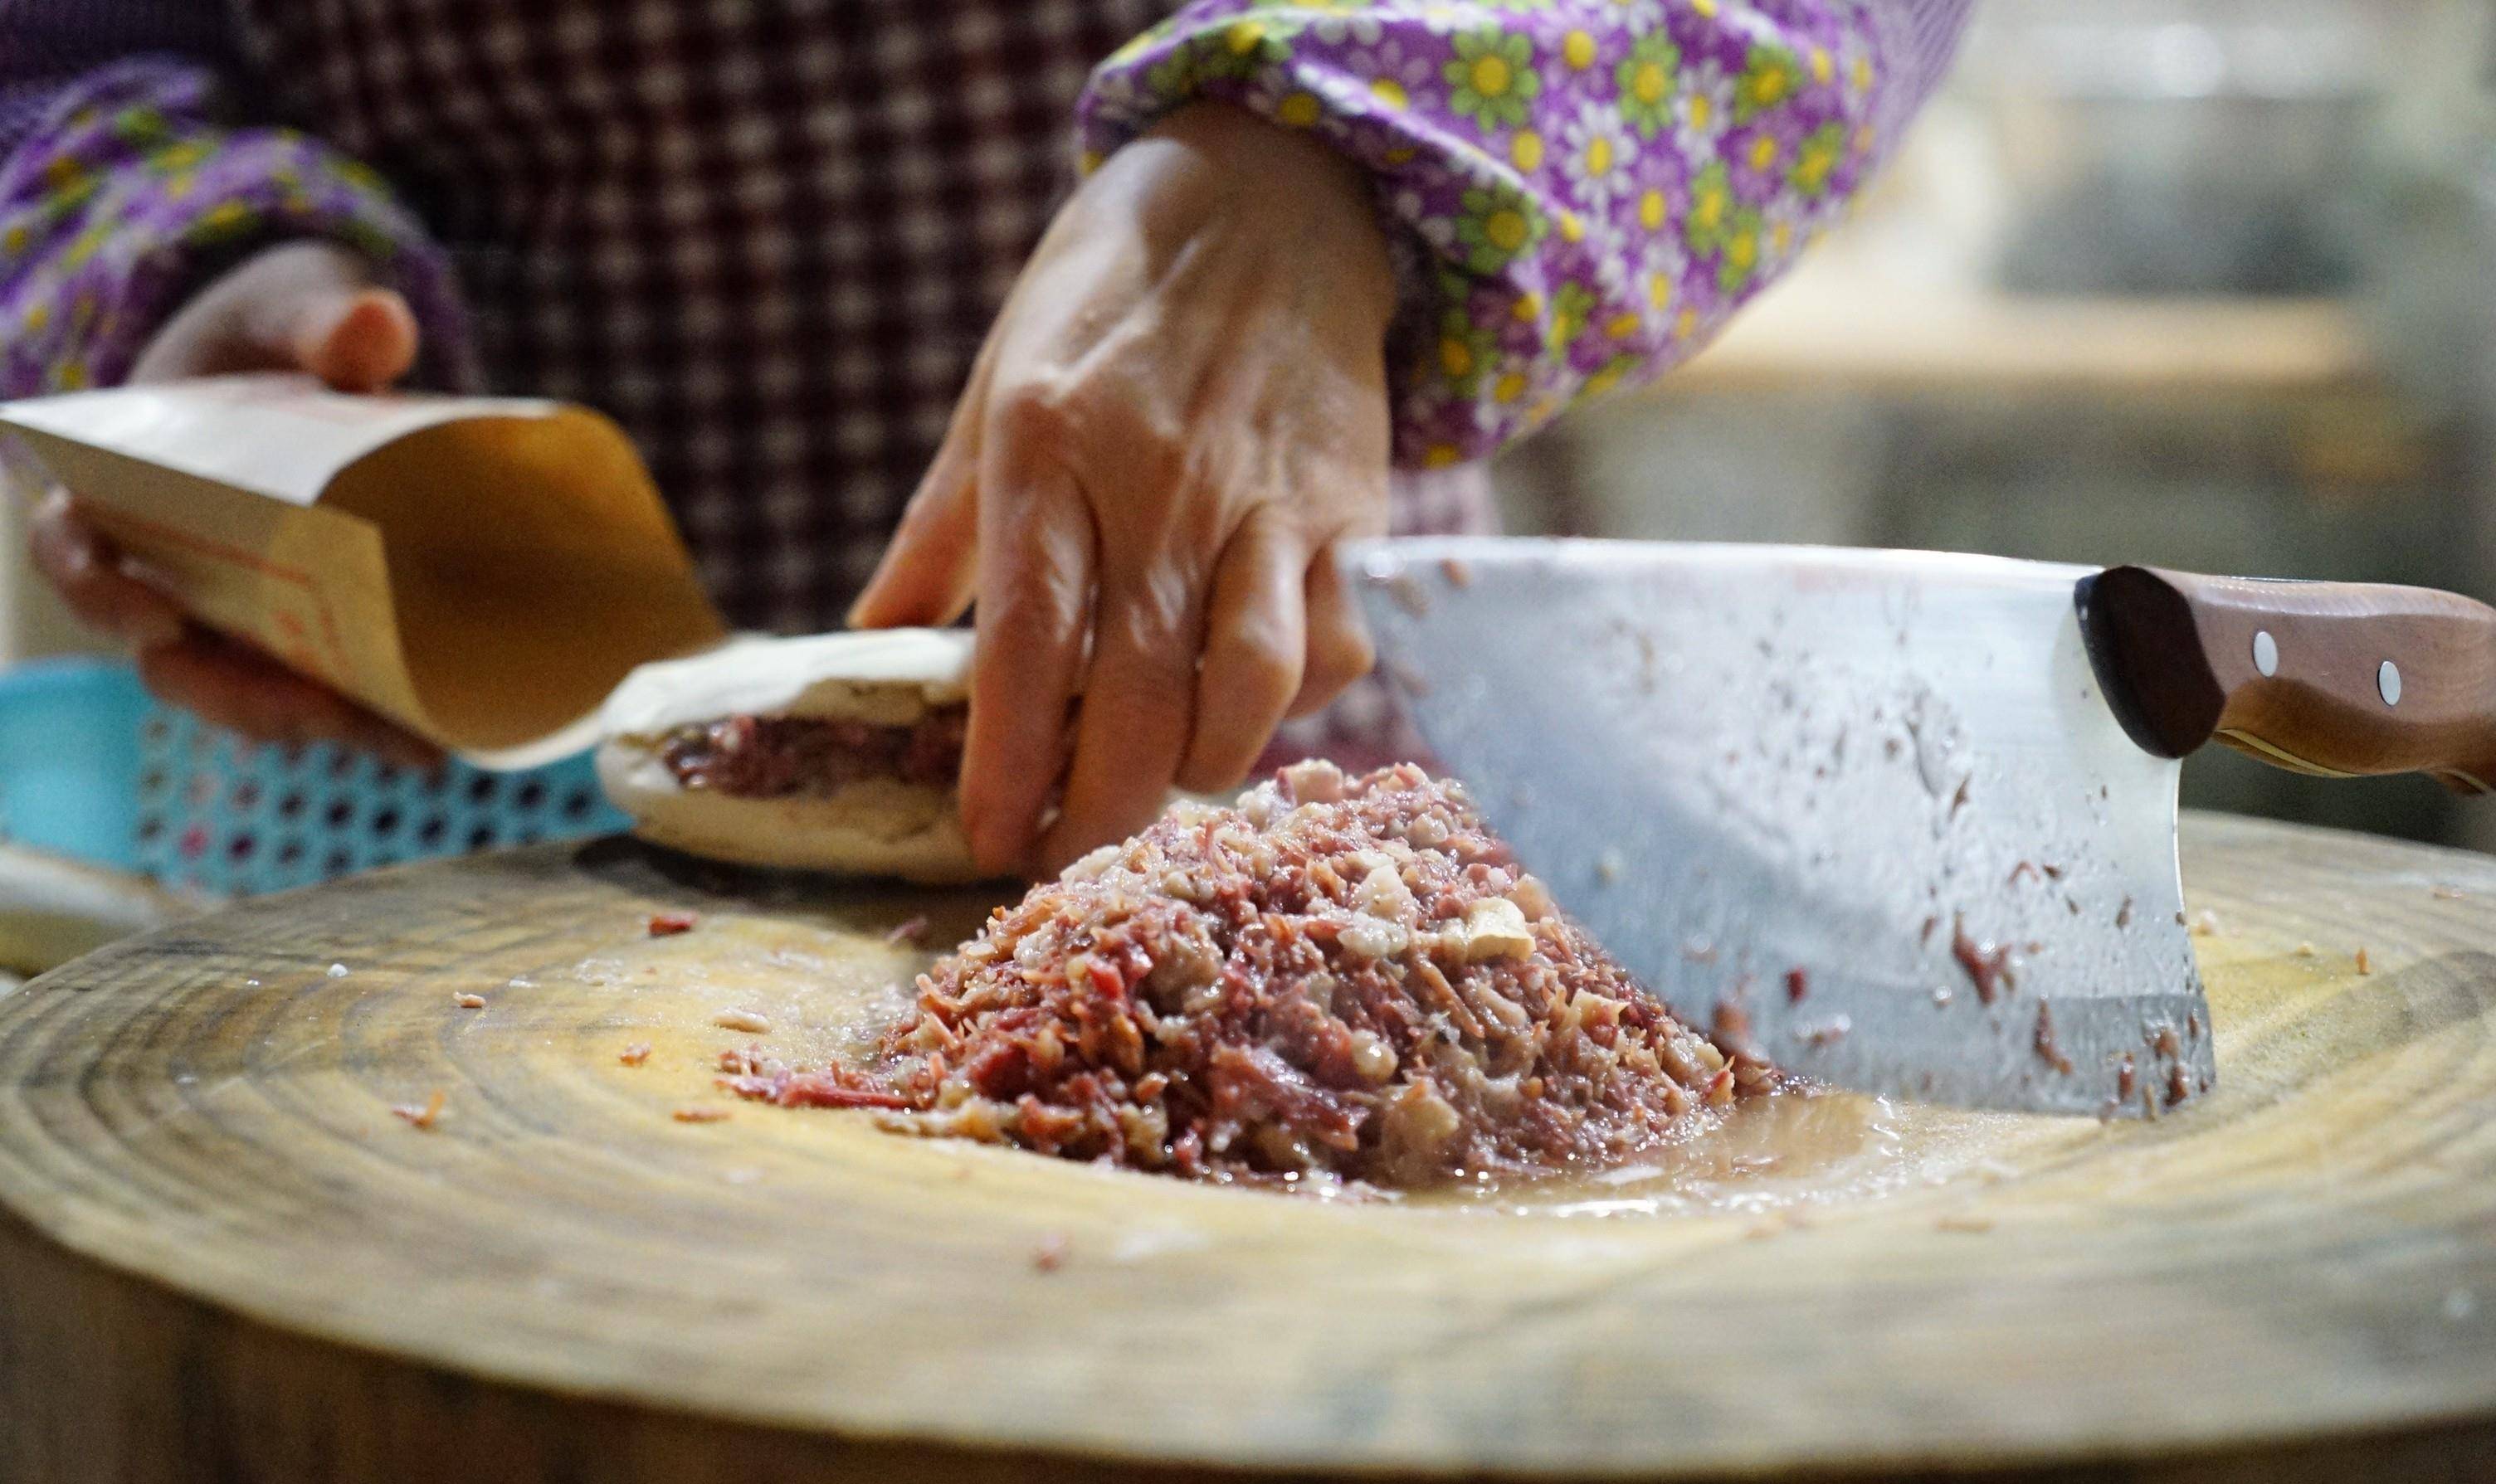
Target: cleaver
{"points": [[1904, 821]]}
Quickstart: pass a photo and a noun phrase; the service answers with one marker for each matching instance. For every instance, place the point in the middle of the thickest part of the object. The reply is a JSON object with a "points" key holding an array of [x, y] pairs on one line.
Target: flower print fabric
{"points": [[137, 193], [1584, 190]]}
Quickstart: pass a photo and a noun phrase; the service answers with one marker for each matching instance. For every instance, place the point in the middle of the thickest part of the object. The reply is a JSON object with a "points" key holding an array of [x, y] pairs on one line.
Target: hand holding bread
{"points": [[1181, 408]]}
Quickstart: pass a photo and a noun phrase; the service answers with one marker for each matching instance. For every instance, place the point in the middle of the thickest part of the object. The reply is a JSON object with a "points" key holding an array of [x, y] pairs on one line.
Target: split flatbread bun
{"points": [[832, 752]]}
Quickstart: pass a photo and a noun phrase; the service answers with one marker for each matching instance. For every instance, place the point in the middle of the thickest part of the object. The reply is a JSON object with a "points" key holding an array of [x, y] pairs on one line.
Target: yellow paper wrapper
{"points": [[482, 571]]}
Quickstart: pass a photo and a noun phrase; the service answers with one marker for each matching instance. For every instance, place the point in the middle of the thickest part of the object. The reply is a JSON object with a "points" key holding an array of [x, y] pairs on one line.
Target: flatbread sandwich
{"points": [[831, 753]]}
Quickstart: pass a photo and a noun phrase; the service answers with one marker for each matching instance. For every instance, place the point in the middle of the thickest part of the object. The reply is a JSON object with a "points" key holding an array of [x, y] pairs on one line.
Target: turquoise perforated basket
{"points": [[196, 807]]}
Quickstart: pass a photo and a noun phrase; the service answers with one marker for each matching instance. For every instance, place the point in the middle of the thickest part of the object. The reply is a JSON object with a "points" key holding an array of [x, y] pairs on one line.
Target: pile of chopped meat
{"points": [[1338, 978], [774, 757]]}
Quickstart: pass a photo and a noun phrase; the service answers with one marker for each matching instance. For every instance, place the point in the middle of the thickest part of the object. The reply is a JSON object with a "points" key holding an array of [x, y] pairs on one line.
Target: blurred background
{"points": [[2210, 284], [2203, 283]]}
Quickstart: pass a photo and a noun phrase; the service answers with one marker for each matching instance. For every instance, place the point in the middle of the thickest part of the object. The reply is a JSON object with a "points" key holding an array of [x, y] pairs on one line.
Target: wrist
{"points": [[1306, 199]]}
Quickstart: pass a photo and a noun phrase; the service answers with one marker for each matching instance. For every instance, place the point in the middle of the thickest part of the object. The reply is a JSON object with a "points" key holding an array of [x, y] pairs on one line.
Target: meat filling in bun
{"points": [[778, 756], [833, 753]]}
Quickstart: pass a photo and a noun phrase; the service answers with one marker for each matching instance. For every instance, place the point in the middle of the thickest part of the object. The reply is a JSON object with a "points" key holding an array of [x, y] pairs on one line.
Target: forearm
{"points": [[1582, 193]]}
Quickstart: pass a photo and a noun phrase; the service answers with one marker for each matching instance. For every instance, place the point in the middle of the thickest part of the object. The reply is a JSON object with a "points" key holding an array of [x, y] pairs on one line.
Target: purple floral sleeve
{"points": [[126, 195], [1584, 190]]}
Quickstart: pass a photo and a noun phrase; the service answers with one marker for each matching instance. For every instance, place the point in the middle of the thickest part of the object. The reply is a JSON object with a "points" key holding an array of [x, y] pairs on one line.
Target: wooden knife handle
{"points": [[2333, 678]]}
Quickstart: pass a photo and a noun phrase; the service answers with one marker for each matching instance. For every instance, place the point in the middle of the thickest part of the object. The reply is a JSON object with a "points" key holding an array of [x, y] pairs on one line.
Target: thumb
{"points": [[357, 340], [313, 306]]}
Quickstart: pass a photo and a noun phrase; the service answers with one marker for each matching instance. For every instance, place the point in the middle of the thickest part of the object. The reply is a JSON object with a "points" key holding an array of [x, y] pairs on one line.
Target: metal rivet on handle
{"points": [[2265, 653], [2387, 680]]}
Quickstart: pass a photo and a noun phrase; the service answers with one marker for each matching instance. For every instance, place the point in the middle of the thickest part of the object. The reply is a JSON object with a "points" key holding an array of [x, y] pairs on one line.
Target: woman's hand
{"points": [[303, 306], [1182, 404]]}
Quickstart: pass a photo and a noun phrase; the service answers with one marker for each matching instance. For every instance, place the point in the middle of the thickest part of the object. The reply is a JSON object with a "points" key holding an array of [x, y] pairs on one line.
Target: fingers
{"points": [[1036, 555], [1339, 648], [86, 573], [299, 306], [220, 680], [1132, 725], [223, 681], [314, 307], [928, 571], [1254, 651], [237, 687]]}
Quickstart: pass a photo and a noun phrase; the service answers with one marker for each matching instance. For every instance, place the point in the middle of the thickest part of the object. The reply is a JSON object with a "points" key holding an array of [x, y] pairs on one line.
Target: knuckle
{"points": [[1258, 661], [1041, 603], [1131, 721], [1049, 411], [1137, 701], [1158, 443], [1348, 652], [1107, 425], [1150, 662], [1203, 502], [1326, 681]]}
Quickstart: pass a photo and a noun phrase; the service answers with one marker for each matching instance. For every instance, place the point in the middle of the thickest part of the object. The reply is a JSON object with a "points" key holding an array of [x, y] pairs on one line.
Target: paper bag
{"points": [[482, 571]]}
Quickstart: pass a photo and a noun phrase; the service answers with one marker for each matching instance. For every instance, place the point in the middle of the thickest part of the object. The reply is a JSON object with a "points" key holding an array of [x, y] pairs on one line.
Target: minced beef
{"points": [[1338, 978], [774, 757]]}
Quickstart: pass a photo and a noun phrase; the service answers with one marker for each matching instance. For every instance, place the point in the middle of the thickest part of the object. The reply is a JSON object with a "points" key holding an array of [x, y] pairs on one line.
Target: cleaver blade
{"points": [[1867, 814]]}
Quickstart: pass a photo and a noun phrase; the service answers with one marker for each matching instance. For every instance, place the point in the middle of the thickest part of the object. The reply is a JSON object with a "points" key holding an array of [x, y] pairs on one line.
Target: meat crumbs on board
{"points": [[1338, 978]]}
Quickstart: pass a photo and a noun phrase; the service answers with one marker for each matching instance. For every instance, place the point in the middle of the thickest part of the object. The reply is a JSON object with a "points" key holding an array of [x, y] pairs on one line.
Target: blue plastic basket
{"points": [[69, 758], [160, 793]]}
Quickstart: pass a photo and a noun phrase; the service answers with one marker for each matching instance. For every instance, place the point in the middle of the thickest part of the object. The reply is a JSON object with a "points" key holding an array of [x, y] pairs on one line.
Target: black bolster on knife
{"points": [[2143, 645]]}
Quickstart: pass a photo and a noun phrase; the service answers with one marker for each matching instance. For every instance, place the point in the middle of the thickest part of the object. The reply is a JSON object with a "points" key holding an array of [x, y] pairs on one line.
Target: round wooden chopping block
{"points": [[228, 1254]]}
